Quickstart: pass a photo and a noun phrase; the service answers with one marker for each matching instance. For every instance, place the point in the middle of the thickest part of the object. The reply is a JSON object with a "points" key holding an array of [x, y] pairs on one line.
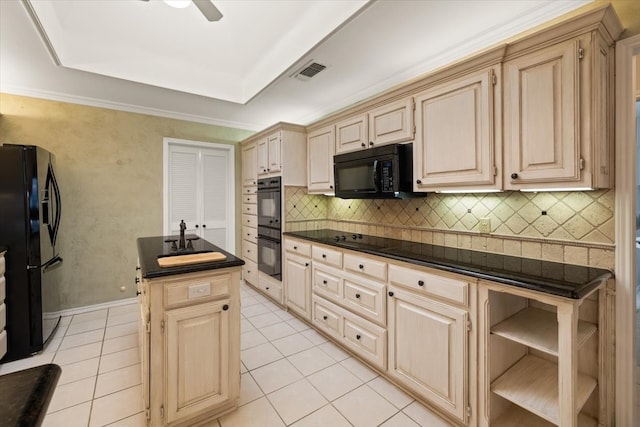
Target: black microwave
{"points": [[384, 172]]}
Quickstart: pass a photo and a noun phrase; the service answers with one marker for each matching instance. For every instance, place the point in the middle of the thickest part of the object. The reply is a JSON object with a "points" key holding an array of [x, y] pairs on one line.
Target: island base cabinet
{"points": [[428, 350], [197, 359]]}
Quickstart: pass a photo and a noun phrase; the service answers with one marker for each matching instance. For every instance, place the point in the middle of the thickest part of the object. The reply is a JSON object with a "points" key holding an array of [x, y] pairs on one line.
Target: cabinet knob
{"points": [[197, 225], [390, 293], [358, 296], [138, 268], [358, 337], [360, 266], [420, 283], [362, 144], [267, 288], [138, 292], [137, 280], [514, 176], [324, 317], [324, 255], [371, 143], [204, 225], [331, 186], [418, 181], [225, 307], [324, 282], [306, 264], [295, 248]]}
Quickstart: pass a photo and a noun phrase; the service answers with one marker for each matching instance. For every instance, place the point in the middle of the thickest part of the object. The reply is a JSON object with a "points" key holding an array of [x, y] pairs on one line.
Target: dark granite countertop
{"points": [[565, 280], [3, 249], [149, 248], [25, 395]]}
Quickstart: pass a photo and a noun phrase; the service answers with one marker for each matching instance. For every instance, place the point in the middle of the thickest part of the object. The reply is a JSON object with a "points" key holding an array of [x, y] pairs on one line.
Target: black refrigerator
{"points": [[29, 227]]}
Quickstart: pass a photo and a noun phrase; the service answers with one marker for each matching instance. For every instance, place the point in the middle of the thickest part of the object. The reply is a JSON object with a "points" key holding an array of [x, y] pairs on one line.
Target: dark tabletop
{"points": [[565, 280], [25, 395], [150, 248]]}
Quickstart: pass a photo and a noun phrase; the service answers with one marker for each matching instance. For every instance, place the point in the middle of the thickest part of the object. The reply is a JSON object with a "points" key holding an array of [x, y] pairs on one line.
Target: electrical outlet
{"points": [[485, 225]]}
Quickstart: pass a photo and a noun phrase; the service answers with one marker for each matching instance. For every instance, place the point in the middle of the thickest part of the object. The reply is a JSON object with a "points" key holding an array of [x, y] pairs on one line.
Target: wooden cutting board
{"points": [[174, 261]]}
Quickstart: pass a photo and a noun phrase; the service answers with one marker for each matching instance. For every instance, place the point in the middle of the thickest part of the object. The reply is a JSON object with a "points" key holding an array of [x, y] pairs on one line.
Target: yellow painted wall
{"points": [[109, 166]]}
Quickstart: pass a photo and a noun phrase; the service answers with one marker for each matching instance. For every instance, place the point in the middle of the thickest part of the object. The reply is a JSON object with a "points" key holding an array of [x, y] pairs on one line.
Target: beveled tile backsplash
{"points": [[572, 227]]}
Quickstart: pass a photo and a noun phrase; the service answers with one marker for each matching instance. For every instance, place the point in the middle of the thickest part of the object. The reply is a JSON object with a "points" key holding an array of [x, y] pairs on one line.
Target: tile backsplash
{"points": [[572, 227]]}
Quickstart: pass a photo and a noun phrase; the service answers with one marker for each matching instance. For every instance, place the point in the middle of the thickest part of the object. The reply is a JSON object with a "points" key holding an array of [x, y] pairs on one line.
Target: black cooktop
{"points": [[566, 280]]}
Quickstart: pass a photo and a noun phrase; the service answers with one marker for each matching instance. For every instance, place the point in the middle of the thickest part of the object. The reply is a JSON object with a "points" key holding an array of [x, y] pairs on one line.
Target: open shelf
{"points": [[532, 383], [518, 417], [538, 329]]}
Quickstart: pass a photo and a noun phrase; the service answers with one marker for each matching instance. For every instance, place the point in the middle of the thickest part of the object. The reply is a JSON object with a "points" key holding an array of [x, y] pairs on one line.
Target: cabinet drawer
{"points": [[250, 272], [366, 266], [2, 264], [327, 317], [250, 199], [273, 290], [3, 288], [250, 190], [366, 298], [250, 234], [198, 289], [3, 316], [441, 286], [250, 251], [250, 220], [366, 339], [327, 285], [326, 255], [298, 247], [249, 209]]}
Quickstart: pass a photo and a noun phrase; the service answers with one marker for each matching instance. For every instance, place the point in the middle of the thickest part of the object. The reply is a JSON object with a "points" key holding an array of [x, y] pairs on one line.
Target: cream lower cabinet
{"points": [[297, 273], [431, 350], [190, 329]]}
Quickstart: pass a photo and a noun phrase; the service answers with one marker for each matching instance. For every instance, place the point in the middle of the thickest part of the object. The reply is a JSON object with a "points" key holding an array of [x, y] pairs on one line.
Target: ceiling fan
{"points": [[205, 6]]}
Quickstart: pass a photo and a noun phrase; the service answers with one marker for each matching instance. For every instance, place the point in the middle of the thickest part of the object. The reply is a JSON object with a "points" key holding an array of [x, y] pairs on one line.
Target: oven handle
{"points": [[270, 239], [375, 175]]}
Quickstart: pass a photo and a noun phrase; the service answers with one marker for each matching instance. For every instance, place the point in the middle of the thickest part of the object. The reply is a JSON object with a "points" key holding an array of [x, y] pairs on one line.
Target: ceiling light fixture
{"points": [[178, 4]]}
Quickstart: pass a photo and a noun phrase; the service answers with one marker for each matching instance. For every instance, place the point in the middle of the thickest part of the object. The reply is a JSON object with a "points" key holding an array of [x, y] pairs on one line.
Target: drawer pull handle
{"points": [[295, 248], [361, 266], [324, 317], [324, 282], [420, 283], [358, 337], [137, 280], [225, 307], [357, 295], [390, 293]]}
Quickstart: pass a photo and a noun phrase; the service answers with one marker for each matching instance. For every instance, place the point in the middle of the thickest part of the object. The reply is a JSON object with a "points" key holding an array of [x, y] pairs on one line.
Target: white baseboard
{"points": [[88, 308]]}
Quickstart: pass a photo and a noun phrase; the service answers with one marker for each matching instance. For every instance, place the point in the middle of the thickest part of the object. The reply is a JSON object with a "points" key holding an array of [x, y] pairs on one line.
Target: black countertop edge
{"points": [[25, 395], [576, 283], [3, 249], [149, 248]]}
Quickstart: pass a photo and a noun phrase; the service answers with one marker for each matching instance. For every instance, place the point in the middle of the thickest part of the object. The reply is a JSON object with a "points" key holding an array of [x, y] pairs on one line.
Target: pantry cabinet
{"points": [[458, 143], [320, 151]]}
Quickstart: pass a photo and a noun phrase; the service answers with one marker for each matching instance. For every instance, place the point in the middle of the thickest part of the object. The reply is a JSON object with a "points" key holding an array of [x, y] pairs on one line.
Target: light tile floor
{"points": [[291, 375]]}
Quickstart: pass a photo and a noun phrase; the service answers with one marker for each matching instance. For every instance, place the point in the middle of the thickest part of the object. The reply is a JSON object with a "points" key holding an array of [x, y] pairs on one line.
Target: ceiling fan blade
{"points": [[208, 10]]}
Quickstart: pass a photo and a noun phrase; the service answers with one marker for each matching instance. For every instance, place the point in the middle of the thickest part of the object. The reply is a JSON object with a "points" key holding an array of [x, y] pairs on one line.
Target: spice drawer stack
{"points": [[250, 212]]}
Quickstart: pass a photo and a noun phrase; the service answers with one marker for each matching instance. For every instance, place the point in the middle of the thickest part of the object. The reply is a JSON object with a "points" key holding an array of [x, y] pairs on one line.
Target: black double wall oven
{"points": [[269, 227]]}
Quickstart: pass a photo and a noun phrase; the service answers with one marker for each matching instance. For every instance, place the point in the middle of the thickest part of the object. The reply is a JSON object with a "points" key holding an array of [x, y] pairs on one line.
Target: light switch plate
{"points": [[485, 225]]}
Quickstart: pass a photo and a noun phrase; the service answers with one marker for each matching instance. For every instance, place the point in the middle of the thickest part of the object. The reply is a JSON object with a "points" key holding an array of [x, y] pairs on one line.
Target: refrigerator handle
{"points": [[53, 263], [52, 190]]}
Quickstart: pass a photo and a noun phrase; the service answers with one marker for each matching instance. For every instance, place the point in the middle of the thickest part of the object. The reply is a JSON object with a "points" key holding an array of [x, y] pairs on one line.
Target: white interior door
{"points": [[199, 188]]}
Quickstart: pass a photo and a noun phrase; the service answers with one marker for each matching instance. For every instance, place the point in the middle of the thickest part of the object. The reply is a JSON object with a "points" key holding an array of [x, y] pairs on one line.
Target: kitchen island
{"points": [[189, 330]]}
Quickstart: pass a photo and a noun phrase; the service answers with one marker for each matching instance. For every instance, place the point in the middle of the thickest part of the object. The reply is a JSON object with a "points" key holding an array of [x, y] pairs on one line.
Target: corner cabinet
{"points": [[190, 329], [458, 139], [558, 99]]}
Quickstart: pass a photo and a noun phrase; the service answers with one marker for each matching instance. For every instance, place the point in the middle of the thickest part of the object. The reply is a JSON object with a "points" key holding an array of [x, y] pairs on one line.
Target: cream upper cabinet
{"points": [[352, 134], [428, 350], [557, 121], [270, 154], [392, 122], [249, 164], [457, 143], [320, 151]]}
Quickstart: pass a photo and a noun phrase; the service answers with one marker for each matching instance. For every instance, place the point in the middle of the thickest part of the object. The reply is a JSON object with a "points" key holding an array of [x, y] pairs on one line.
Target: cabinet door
{"points": [[392, 123], [263, 157], [455, 138], [352, 134], [320, 150], [249, 164], [428, 350], [274, 148], [541, 120], [198, 355], [298, 283]]}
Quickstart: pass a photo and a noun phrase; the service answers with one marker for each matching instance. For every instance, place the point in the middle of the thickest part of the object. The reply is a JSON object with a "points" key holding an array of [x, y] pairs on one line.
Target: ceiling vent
{"points": [[308, 70]]}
